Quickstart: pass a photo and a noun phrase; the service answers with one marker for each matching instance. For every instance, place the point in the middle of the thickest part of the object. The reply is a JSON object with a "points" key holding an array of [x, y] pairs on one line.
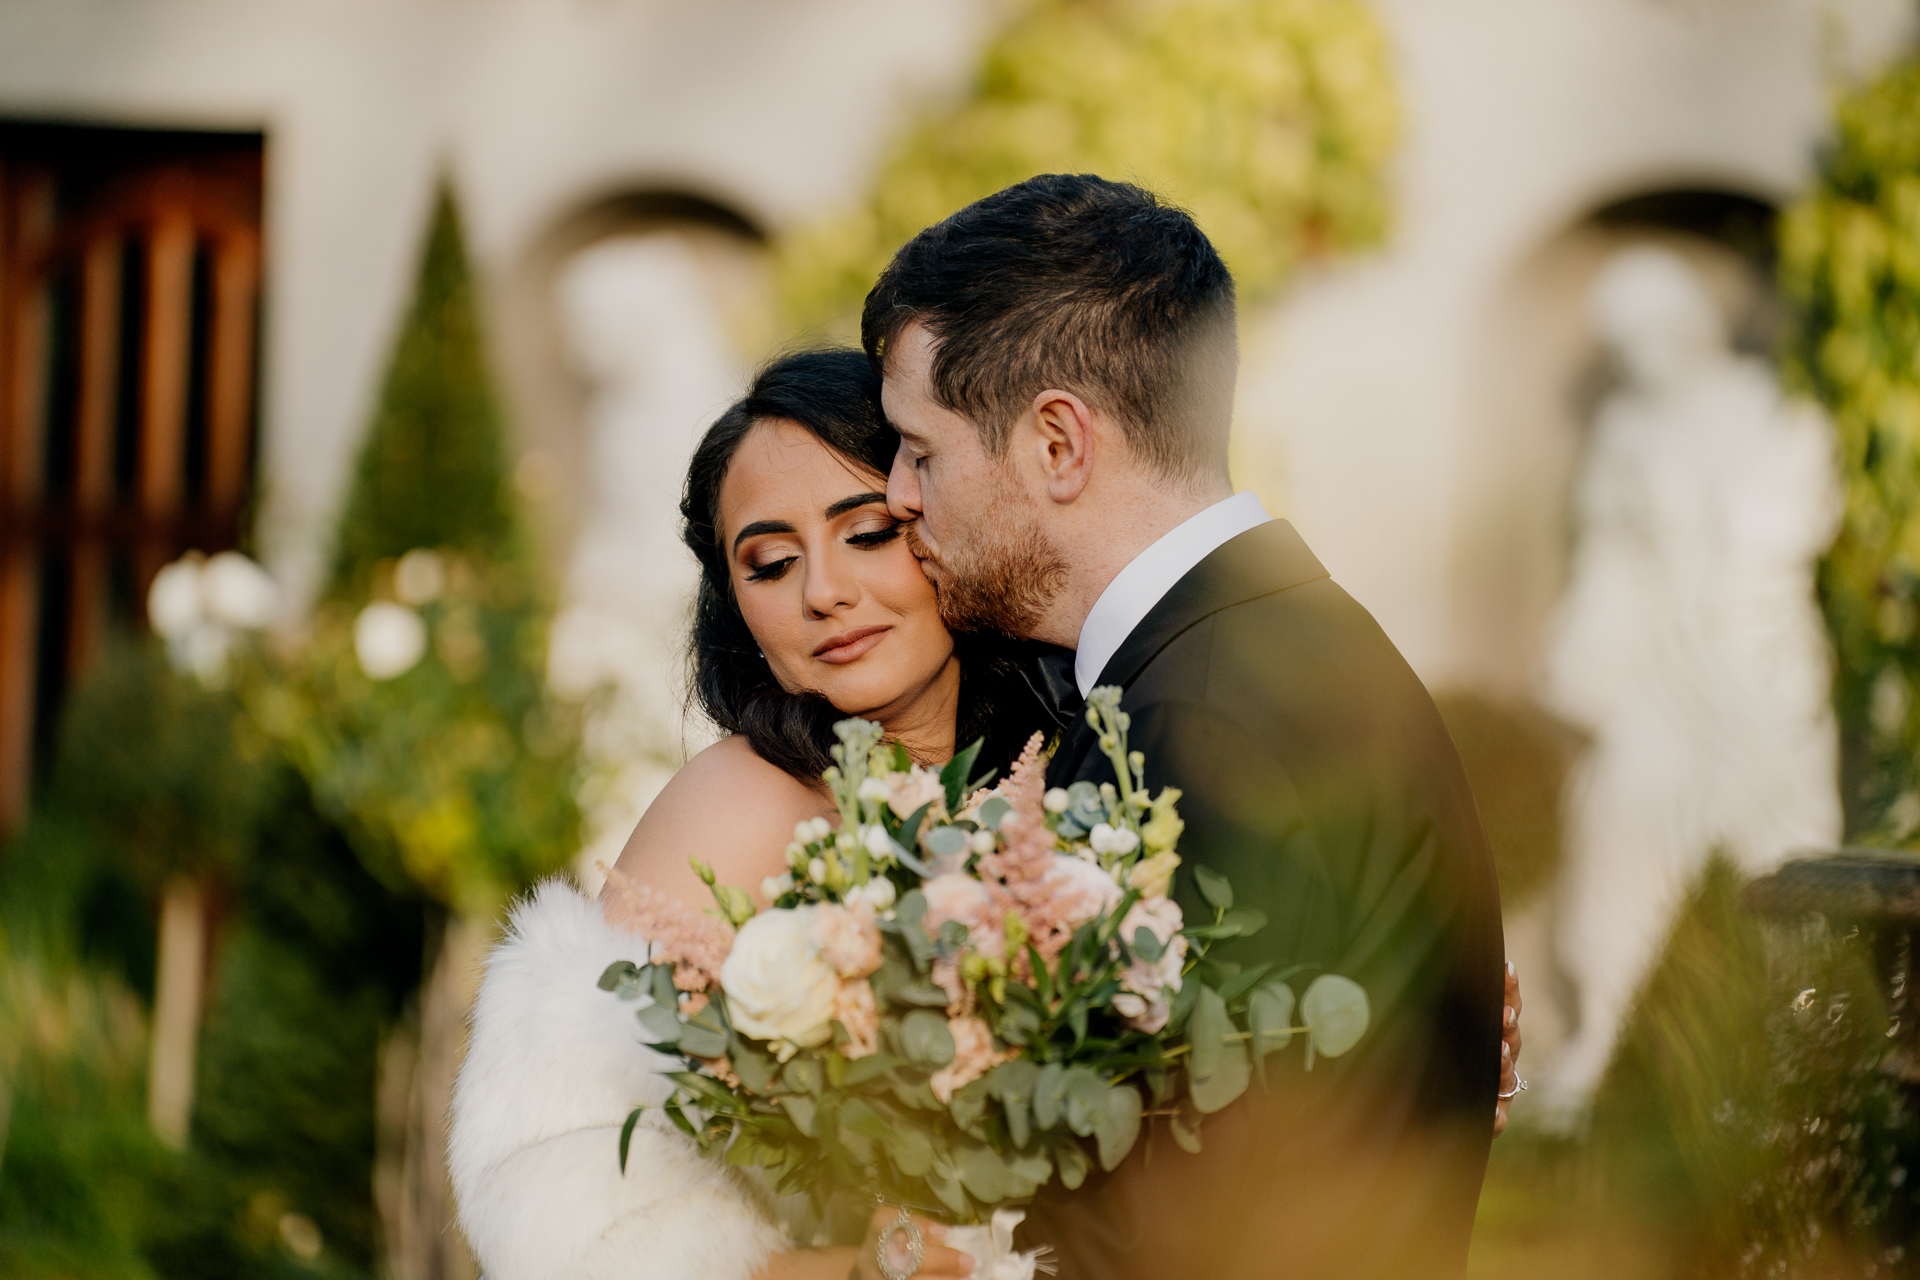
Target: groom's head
{"points": [[1059, 359]]}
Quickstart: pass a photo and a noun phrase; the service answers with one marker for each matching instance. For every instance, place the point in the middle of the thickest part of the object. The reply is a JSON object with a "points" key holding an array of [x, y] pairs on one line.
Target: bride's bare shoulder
{"points": [[729, 808]]}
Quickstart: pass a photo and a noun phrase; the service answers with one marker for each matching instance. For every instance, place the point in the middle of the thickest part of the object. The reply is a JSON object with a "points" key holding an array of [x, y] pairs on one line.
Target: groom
{"points": [[1059, 359]]}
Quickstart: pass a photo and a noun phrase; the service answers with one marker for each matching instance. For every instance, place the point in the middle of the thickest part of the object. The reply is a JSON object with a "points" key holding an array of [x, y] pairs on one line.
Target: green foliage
{"points": [[456, 778], [432, 470], [165, 767], [1270, 120], [1745, 1127], [1850, 265]]}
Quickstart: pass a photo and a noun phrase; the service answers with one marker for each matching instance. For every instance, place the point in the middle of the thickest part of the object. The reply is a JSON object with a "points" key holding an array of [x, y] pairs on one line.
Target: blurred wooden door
{"points": [[129, 296]]}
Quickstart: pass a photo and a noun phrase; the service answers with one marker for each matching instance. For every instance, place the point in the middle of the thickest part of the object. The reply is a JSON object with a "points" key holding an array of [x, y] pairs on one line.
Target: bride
{"points": [[811, 607]]}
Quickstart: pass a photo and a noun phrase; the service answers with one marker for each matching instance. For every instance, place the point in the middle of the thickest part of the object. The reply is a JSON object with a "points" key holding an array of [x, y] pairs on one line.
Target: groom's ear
{"points": [[1065, 443]]}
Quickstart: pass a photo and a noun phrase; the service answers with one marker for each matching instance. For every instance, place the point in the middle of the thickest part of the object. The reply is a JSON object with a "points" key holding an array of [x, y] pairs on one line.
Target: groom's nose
{"points": [[903, 487]]}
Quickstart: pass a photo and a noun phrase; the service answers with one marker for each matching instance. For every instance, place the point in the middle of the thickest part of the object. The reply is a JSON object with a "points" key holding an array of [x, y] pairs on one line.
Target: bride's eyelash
{"points": [[771, 572], [875, 537]]}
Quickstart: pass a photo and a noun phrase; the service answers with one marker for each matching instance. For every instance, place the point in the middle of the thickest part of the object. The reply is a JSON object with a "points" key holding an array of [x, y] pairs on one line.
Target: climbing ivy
{"points": [[1850, 265], [1271, 120]]}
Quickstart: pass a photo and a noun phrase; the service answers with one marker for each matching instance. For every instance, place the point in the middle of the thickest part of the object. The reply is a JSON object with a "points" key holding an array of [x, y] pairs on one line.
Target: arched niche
{"points": [[626, 328], [1534, 377]]}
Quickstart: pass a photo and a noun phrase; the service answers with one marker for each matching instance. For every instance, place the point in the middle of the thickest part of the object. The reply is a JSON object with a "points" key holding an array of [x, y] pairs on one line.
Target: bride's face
{"points": [[826, 582]]}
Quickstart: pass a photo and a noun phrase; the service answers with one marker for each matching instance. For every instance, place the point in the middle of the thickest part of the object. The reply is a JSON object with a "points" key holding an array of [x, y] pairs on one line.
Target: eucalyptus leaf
{"points": [[1245, 921], [660, 1022], [1086, 1101], [925, 1039], [912, 907], [1207, 1032], [912, 1153], [945, 842], [1018, 1022], [1213, 887], [1073, 1162], [948, 1189], [1185, 1126], [1336, 1013], [983, 1173], [704, 1035], [755, 1069], [1119, 1125], [624, 979], [801, 1112], [1049, 1095], [1147, 945], [803, 1075], [969, 1105], [992, 810], [859, 1117], [1241, 983], [1270, 1018], [1183, 1004], [1229, 1081], [661, 978], [861, 1070], [1084, 805], [1012, 1083]]}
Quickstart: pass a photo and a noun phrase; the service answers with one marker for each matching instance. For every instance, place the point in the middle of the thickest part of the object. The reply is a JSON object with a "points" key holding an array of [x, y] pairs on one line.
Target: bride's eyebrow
{"points": [[759, 527], [854, 503]]}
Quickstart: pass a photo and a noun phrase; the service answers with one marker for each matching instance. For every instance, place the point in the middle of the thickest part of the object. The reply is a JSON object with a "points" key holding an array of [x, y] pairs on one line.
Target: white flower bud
{"points": [[796, 855], [1056, 800], [880, 892], [822, 828], [803, 831], [773, 886], [878, 843], [981, 841], [874, 789], [817, 870]]}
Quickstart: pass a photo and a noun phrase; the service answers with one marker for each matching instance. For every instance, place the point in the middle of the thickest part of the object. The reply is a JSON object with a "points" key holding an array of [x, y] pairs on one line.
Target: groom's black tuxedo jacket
{"points": [[1318, 778]]}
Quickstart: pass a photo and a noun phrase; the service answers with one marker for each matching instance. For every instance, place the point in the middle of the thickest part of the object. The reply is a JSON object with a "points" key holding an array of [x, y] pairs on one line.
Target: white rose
{"points": [[388, 639], [1107, 839], [1080, 890], [906, 792], [874, 789], [878, 843], [779, 987]]}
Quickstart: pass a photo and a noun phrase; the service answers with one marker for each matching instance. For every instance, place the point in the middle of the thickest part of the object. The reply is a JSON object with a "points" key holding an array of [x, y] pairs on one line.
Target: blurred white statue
{"points": [[1688, 646], [640, 325]]}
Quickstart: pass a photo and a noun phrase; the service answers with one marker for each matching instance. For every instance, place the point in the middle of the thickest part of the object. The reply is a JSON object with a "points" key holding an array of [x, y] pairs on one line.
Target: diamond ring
{"points": [[915, 1242], [1519, 1086]]}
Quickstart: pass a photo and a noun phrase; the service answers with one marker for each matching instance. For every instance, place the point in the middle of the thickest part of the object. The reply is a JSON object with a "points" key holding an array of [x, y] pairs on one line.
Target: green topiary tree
{"points": [[1271, 120], [1850, 265], [455, 773]]}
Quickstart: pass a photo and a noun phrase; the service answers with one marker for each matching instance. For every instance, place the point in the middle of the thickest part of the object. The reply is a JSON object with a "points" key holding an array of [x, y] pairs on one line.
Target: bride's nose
{"points": [[829, 589]]}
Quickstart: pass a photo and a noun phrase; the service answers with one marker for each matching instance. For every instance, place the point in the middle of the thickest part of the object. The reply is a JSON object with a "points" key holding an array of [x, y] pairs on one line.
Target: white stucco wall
{"points": [[774, 107], [1522, 117]]}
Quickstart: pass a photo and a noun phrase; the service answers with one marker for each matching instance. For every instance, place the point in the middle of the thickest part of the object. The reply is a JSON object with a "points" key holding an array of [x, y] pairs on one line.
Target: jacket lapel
{"points": [[1266, 559]]}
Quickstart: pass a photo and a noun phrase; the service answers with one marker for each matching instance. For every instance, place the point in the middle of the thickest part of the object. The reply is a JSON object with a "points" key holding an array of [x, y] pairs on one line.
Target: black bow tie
{"points": [[1050, 676]]}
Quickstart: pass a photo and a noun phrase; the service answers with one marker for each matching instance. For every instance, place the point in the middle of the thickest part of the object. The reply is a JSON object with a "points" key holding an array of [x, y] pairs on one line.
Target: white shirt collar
{"points": [[1151, 574]]}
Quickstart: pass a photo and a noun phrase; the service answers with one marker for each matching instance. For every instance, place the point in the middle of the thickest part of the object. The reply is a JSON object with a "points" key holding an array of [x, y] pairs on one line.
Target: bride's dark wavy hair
{"points": [[835, 395]]}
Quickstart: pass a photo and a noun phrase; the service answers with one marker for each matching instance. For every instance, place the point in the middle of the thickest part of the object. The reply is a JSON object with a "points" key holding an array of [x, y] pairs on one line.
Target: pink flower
{"points": [[848, 938], [1148, 988], [957, 896], [1078, 891], [973, 1056], [859, 1013], [695, 944]]}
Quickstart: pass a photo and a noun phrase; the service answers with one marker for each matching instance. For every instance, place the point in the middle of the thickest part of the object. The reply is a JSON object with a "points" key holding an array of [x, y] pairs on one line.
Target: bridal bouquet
{"points": [[960, 993]]}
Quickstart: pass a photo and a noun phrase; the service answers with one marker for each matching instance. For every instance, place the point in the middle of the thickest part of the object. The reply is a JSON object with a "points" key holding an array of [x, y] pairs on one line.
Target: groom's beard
{"points": [[1003, 581]]}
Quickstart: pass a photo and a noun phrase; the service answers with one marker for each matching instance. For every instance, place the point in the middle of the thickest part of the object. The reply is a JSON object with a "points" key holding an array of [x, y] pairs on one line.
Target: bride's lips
{"points": [[849, 645]]}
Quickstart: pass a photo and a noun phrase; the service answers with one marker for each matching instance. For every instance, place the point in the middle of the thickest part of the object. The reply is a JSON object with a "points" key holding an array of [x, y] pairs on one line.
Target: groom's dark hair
{"points": [[1076, 283]]}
